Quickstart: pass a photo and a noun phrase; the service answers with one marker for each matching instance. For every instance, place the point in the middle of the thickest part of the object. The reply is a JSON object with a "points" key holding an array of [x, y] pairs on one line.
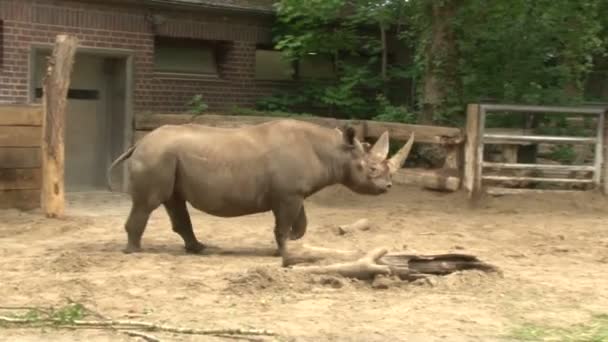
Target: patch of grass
{"points": [[66, 314], [197, 105], [76, 316], [594, 331]]}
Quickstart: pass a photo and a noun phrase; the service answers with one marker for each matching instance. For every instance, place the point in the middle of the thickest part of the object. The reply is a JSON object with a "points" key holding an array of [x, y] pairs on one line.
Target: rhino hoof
{"points": [[195, 248], [295, 235], [131, 249]]}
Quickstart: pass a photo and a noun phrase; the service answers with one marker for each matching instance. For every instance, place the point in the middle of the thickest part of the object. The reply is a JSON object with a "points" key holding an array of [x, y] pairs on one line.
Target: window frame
{"points": [[186, 43], [268, 48]]}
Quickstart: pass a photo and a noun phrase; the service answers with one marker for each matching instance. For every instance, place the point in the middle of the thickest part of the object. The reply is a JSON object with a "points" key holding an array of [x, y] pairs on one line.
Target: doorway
{"points": [[96, 117]]}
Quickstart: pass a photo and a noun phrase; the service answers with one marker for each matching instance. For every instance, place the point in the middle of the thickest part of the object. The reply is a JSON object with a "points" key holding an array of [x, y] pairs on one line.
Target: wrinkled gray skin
{"points": [[230, 172]]}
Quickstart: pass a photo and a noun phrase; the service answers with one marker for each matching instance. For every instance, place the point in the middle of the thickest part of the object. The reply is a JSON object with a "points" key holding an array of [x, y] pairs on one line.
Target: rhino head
{"points": [[368, 168]]}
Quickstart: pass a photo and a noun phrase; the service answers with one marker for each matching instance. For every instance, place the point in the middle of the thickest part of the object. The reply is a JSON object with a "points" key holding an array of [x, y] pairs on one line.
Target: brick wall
{"points": [[28, 22]]}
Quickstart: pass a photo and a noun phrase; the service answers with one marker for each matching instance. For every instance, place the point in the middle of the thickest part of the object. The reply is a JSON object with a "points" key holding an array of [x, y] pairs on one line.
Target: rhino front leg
{"points": [[286, 212], [182, 225], [299, 227]]}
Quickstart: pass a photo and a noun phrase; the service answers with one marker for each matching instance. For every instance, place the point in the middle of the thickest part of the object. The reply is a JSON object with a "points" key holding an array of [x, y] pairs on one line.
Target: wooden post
{"points": [[604, 151], [54, 100], [473, 152]]}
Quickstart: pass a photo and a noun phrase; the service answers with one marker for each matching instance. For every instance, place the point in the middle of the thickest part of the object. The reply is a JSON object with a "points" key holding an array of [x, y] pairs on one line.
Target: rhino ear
{"points": [[349, 139], [349, 135]]}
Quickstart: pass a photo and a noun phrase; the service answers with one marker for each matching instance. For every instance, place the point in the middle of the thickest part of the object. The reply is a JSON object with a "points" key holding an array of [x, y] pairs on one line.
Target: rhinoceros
{"points": [[229, 172]]}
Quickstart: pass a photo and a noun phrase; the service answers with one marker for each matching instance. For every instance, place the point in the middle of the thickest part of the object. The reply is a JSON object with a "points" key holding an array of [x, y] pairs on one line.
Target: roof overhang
{"points": [[192, 5], [226, 7]]}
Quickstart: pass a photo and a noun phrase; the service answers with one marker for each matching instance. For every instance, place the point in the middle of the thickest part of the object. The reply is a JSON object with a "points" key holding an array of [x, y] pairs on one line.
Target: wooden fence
{"points": [[20, 160], [452, 139], [478, 136], [370, 129]]}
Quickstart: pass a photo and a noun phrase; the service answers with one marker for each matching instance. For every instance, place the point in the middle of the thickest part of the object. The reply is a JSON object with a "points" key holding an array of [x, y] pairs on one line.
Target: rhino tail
{"points": [[118, 160]]}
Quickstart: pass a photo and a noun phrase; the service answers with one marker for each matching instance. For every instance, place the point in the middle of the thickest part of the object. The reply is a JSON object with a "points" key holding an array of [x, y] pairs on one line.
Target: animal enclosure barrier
{"points": [[20, 163], [477, 137]]}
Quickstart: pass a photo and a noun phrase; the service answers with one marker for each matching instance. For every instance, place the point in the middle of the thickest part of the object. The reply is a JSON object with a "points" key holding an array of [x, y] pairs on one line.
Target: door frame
{"points": [[126, 54]]}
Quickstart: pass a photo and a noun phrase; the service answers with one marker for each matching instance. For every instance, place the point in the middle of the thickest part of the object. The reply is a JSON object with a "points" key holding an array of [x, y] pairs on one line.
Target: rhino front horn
{"points": [[399, 158]]}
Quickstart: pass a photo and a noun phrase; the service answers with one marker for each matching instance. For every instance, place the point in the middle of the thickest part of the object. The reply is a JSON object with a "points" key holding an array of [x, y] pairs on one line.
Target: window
{"points": [[270, 65], [316, 66], [185, 56]]}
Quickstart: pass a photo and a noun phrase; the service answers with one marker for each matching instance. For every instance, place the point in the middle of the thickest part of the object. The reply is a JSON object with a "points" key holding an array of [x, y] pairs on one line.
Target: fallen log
{"points": [[440, 180], [368, 265]]}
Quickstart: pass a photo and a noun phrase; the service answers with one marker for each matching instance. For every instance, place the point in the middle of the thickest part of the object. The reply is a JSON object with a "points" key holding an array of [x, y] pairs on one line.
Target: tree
{"points": [[439, 46], [355, 36], [518, 51]]}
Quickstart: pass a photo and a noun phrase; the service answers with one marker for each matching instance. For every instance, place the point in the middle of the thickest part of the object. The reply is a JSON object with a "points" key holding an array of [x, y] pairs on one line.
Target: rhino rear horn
{"points": [[399, 158], [380, 149]]}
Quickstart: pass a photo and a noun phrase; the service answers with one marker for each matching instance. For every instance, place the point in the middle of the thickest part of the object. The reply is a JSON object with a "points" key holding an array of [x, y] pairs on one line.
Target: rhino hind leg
{"points": [[286, 213], [182, 225], [135, 226], [299, 227]]}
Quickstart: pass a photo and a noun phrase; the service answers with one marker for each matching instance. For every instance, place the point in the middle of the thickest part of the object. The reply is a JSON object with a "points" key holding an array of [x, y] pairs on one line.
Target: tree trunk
{"points": [[440, 76], [384, 51], [54, 99], [384, 65]]}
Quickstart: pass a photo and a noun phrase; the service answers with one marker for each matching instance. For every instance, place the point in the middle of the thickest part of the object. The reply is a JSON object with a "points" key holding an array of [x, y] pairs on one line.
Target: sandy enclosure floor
{"points": [[553, 250]]}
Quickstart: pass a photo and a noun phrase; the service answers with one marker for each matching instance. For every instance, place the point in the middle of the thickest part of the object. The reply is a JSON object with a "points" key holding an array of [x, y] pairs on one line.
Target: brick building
{"points": [[136, 56], [176, 48]]}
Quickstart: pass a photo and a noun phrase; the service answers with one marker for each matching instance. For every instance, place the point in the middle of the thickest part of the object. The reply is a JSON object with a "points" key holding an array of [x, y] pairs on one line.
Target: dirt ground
{"points": [[553, 250]]}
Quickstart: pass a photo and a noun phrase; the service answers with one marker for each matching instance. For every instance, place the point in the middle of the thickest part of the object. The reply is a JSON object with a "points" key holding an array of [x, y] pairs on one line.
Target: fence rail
{"points": [[541, 109], [365, 128], [506, 138], [537, 167]]}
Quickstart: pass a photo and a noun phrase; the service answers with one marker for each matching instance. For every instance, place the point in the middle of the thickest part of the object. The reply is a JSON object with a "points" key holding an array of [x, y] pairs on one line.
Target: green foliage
{"points": [[346, 95], [564, 154], [274, 113], [594, 331], [304, 26], [197, 105], [281, 101], [66, 314], [347, 33], [391, 113], [559, 125], [519, 51]]}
